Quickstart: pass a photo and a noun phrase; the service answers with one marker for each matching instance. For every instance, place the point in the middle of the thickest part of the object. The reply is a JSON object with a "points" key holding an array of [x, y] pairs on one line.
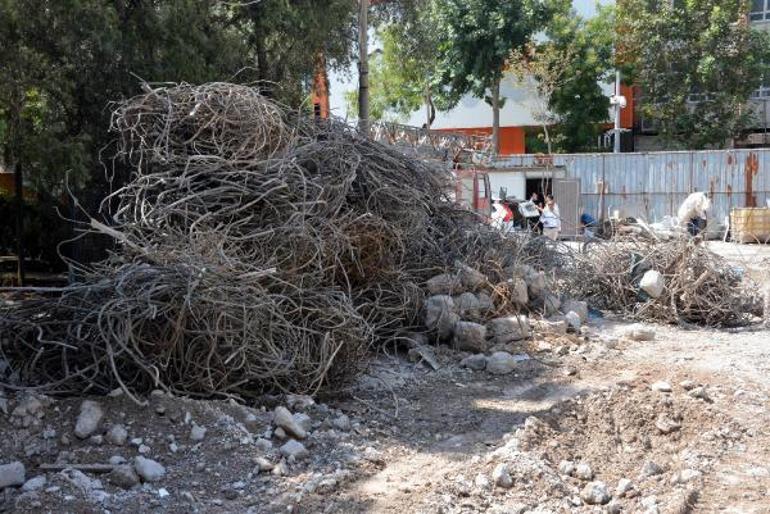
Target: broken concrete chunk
{"points": [[578, 307], [12, 474], [148, 469], [502, 477], [511, 328], [470, 278], [439, 315], [501, 363], [573, 320], [467, 304], [519, 292], [550, 327], [469, 336], [652, 283], [444, 284], [595, 493], [117, 435], [294, 449], [639, 333], [475, 362], [88, 420], [282, 418]]}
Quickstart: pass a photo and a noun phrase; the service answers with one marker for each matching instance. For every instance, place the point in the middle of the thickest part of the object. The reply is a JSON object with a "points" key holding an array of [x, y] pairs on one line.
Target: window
{"points": [[763, 91], [760, 10]]}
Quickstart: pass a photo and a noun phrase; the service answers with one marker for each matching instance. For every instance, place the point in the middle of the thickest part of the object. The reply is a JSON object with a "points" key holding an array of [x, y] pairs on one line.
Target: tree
{"points": [[563, 74], [476, 40], [697, 64], [62, 62], [403, 74]]}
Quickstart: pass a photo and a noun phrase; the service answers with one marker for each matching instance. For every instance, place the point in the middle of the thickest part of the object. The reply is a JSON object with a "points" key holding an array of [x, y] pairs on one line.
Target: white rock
{"points": [[284, 419], [294, 449], [595, 493], [666, 425], [639, 333], [469, 336], [88, 420], [573, 320], [584, 472], [197, 433], [510, 328], [163, 493], [661, 387], [12, 474], [475, 362], [684, 476], [304, 421], [117, 460], [650, 468], [501, 363], [117, 435], [557, 327], [482, 482], [567, 467], [148, 469], [578, 307], [624, 487], [699, 393], [687, 385], [652, 283], [502, 477], [342, 423], [33, 484]]}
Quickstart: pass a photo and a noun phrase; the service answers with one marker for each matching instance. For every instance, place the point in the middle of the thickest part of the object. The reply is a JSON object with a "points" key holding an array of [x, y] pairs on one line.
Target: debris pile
{"points": [[257, 248], [678, 281]]}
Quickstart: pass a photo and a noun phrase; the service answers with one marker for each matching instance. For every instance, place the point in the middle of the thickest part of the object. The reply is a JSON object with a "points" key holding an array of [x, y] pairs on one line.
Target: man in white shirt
{"points": [[550, 218]]}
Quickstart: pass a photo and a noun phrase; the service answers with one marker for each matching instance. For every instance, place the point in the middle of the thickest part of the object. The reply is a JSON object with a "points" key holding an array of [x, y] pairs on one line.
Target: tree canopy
{"points": [[696, 63]]}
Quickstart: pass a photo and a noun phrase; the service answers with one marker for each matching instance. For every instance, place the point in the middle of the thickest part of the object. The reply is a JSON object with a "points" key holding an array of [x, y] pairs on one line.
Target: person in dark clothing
{"points": [[588, 224]]}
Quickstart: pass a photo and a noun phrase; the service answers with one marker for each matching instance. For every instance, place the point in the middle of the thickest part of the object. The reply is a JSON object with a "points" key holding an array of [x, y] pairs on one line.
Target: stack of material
{"points": [[750, 225], [258, 249], [678, 281]]}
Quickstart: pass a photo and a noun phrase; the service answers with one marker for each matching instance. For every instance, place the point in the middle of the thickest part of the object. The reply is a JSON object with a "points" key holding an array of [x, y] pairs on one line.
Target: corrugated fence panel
{"points": [[653, 185]]}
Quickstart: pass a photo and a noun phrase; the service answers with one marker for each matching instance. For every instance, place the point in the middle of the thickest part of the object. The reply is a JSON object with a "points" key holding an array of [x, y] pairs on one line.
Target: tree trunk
{"points": [[547, 138], [496, 117], [363, 68], [19, 196]]}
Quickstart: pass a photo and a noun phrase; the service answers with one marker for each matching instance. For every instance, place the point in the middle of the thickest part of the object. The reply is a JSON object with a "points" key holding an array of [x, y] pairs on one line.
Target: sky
{"points": [[339, 83]]}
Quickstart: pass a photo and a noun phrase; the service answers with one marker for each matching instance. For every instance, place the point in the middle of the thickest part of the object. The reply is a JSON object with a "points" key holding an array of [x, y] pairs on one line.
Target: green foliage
{"points": [[477, 38], [402, 75], [62, 62], [579, 104], [693, 48]]}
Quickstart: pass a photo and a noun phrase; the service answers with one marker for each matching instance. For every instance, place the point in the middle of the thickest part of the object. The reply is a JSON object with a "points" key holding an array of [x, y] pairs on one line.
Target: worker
{"points": [[692, 212], [550, 218], [533, 222], [588, 225]]}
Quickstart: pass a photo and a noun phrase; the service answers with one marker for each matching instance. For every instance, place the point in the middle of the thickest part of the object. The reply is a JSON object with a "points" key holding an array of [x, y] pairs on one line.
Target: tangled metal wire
{"points": [[258, 249], [700, 287]]}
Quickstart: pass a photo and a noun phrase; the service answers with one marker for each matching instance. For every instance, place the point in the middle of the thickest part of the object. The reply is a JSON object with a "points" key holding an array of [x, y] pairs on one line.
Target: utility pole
{"points": [[363, 68]]}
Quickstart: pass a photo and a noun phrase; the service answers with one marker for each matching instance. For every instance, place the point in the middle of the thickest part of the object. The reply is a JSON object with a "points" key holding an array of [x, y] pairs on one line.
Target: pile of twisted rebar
{"points": [[256, 249], [698, 286]]}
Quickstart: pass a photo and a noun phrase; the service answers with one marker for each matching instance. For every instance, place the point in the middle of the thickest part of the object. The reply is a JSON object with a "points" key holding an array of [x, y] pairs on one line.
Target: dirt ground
{"points": [[589, 423]]}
